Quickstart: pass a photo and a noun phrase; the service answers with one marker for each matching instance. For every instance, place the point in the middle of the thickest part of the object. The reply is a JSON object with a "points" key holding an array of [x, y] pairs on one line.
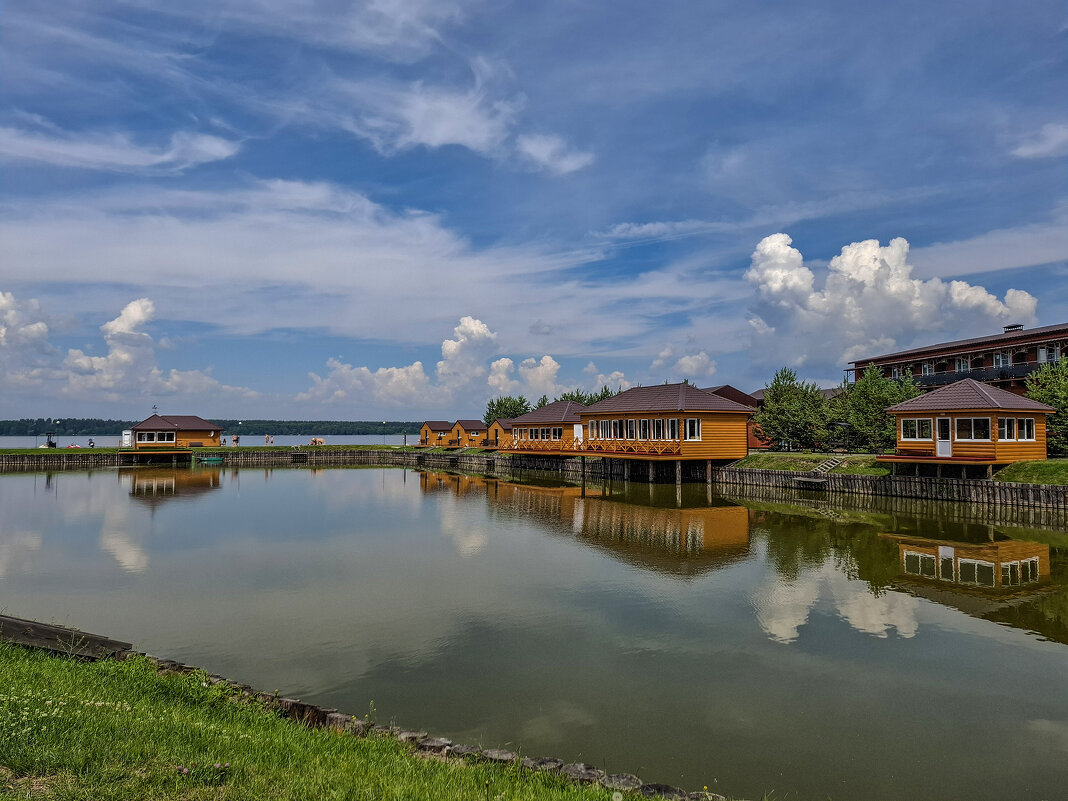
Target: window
{"points": [[643, 429], [895, 372], [1049, 353], [632, 427], [920, 564], [606, 429], [146, 436], [558, 433], [945, 568], [1002, 359], [1006, 428], [593, 429], [673, 428], [1025, 428], [964, 364], [927, 368], [165, 436], [658, 429], [693, 428], [972, 571], [916, 428], [976, 428]]}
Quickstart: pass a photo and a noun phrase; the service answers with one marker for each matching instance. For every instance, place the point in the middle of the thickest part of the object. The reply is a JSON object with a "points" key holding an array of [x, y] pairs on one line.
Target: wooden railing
{"points": [[594, 446]]}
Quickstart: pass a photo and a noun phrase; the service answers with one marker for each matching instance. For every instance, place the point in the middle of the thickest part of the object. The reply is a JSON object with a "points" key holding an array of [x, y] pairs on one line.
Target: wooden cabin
{"points": [[969, 422], [173, 432], [554, 428], [499, 434], [755, 438], [467, 434], [434, 433], [667, 421]]}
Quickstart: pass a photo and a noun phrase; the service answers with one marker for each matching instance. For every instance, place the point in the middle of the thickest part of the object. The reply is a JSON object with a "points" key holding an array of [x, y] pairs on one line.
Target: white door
{"points": [[943, 442]]}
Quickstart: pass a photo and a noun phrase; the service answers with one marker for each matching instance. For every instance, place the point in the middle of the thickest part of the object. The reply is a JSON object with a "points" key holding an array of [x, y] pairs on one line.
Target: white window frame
{"points": [[693, 429], [976, 564], [927, 368], [1025, 429], [1006, 429], [658, 428], [918, 429], [631, 428], [1002, 358], [969, 434], [964, 364], [673, 428], [643, 429], [922, 559]]}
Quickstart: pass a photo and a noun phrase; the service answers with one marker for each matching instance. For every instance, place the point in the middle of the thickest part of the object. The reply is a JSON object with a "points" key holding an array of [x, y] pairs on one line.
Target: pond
{"points": [[753, 645]]}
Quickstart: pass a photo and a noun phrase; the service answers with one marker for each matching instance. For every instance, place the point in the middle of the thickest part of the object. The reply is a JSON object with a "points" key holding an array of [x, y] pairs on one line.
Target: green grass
{"points": [[863, 464], [1049, 471], [120, 730]]}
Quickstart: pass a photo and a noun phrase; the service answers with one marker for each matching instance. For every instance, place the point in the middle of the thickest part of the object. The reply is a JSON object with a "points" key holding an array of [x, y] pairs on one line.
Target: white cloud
{"points": [[500, 377], [1000, 249], [463, 358], [539, 375], [869, 302], [550, 152], [615, 380], [114, 152], [1049, 141], [20, 331], [696, 365], [354, 386]]}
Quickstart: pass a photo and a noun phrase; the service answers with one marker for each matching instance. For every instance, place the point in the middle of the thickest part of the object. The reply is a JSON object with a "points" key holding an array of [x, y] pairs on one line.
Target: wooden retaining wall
{"points": [[971, 491]]}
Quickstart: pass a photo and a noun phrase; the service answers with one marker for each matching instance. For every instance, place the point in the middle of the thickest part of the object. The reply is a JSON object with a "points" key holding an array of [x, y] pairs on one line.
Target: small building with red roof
{"points": [[434, 433], [555, 427], [969, 422], [467, 434], [170, 431]]}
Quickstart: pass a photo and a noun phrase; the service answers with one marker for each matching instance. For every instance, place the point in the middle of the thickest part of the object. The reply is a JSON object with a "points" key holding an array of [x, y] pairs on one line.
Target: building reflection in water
{"points": [[681, 542], [154, 486]]}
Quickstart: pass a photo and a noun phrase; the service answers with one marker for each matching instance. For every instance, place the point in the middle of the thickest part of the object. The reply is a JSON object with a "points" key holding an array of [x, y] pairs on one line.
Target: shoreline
{"points": [[997, 494]]}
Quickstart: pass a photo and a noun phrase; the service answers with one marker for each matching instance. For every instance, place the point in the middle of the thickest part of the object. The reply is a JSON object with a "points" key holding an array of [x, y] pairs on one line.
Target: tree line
{"points": [[90, 426]]}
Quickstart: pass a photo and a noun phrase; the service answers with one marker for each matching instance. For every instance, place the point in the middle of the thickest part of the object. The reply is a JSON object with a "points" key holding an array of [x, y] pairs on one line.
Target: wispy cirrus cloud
{"points": [[1049, 141], [115, 152]]}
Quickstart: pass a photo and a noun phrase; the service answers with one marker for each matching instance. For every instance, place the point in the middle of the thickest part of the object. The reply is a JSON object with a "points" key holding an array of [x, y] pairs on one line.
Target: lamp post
{"points": [[383, 432]]}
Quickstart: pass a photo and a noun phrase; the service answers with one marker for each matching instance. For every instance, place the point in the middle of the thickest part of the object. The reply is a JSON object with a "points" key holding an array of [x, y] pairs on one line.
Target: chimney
{"points": [[1014, 327]]}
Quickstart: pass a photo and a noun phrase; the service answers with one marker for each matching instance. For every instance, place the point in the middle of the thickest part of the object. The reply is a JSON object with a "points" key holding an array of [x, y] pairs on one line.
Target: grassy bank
{"points": [[1050, 471], [862, 464], [120, 730]]}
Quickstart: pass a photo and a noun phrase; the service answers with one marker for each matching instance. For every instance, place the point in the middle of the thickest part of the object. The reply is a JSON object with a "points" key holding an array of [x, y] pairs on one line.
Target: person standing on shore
{"points": [[266, 439]]}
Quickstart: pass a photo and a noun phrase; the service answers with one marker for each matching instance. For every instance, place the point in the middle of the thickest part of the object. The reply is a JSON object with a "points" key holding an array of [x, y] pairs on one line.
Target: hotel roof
{"points": [[1006, 337]]}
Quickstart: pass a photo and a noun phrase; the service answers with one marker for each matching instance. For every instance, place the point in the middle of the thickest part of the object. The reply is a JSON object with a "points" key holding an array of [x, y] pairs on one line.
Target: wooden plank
{"points": [[58, 639]]}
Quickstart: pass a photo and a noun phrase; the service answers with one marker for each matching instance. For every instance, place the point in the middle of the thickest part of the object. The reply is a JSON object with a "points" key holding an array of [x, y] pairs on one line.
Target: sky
{"points": [[398, 209]]}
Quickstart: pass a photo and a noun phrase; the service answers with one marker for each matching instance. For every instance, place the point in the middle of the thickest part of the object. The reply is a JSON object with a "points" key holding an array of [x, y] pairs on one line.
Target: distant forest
{"points": [[88, 426]]}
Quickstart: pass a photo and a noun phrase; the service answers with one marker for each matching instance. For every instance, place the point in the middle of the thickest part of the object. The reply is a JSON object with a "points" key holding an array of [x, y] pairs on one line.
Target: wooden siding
{"points": [[460, 437], [182, 439], [497, 436]]}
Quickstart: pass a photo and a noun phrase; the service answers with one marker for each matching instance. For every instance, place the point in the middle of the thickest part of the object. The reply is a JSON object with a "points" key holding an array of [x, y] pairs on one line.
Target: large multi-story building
{"points": [[1003, 360]]}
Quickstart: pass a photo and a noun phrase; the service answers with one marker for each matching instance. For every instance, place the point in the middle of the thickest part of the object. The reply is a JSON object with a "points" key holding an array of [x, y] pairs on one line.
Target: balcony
{"points": [[986, 374], [607, 447]]}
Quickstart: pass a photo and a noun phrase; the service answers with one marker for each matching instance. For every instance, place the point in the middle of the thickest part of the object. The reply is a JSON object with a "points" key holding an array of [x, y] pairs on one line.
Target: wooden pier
{"points": [[59, 639]]}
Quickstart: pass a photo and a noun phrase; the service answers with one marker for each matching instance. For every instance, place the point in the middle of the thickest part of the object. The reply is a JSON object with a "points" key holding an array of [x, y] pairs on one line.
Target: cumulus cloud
{"points": [[539, 375], [693, 365], [23, 334], [614, 380], [459, 374], [114, 152], [869, 303], [550, 152], [1049, 141]]}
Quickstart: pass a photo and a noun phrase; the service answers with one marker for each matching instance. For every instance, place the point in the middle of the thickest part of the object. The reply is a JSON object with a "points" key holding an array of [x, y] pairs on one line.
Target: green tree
{"points": [[861, 407], [1049, 385], [505, 408], [542, 401], [586, 398], [794, 412]]}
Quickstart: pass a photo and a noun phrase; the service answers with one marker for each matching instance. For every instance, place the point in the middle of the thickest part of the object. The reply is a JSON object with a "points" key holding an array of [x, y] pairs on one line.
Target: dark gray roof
{"points": [[666, 398], [734, 394], [438, 425], [562, 411], [176, 422], [468, 425], [1006, 338], [505, 423], [969, 394]]}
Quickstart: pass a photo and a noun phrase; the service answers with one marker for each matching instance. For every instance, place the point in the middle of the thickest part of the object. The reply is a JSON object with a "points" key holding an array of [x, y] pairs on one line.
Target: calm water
{"points": [[746, 645]]}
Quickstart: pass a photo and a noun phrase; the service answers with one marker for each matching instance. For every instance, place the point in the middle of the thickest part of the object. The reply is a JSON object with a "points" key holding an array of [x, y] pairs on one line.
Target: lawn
{"points": [[1048, 471], [121, 730], [854, 463]]}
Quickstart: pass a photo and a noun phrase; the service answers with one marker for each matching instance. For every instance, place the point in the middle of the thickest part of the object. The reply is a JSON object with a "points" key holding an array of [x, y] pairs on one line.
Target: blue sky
{"points": [[399, 209]]}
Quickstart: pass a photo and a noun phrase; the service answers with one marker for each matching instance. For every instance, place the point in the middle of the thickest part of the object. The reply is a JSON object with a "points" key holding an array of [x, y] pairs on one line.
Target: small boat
{"points": [[207, 459]]}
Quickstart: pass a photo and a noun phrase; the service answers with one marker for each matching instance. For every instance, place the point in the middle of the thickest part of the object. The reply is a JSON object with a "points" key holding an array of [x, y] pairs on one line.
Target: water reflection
{"points": [[678, 637]]}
